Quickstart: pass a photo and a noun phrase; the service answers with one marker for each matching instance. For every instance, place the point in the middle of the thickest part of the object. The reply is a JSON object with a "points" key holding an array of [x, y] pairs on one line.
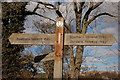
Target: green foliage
{"points": [[12, 62], [12, 22]]}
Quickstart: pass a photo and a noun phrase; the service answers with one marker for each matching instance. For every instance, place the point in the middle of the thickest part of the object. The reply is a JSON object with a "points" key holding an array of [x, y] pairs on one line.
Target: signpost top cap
{"points": [[59, 21]]}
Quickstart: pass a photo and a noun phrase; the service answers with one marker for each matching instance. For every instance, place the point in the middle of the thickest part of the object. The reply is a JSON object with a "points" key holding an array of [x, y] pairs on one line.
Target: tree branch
{"points": [[50, 8], [57, 12], [47, 4], [68, 27], [90, 10], [97, 4], [94, 17], [86, 16], [78, 15], [37, 26], [81, 6], [75, 6], [33, 13], [36, 8], [54, 8]]}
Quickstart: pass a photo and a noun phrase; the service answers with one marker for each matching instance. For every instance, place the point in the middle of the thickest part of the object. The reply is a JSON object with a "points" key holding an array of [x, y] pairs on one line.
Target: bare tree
{"points": [[77, 13]]}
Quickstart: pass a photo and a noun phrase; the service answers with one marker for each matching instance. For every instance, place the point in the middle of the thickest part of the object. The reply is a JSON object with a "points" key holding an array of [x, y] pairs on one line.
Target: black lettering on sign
{"points": [[76, 41], [90, 41], [73, 37], [37, 39], [46, 39], [23, 38]]}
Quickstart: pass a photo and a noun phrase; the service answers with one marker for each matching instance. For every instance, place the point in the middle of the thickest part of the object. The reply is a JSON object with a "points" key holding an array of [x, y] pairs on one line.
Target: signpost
{"points": [[69, 39], [33, 39], [59, 40]]}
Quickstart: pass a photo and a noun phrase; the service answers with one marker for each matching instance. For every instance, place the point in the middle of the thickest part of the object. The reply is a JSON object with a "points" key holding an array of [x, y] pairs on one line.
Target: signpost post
{"points": [[59, 40], [59, 43]]}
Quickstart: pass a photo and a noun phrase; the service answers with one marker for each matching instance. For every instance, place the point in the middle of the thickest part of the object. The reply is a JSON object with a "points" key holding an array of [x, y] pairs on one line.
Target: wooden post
{"points": [[59, 43]]}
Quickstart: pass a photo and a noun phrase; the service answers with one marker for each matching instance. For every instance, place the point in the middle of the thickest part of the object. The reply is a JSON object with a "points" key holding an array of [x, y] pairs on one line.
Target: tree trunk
{"points": [[50, 76], [72, 63], [75, 69], [76, 63]]}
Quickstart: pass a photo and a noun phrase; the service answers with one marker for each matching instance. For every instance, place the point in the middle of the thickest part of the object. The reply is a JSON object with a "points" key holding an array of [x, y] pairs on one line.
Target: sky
{"points": [[101, 57]]}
